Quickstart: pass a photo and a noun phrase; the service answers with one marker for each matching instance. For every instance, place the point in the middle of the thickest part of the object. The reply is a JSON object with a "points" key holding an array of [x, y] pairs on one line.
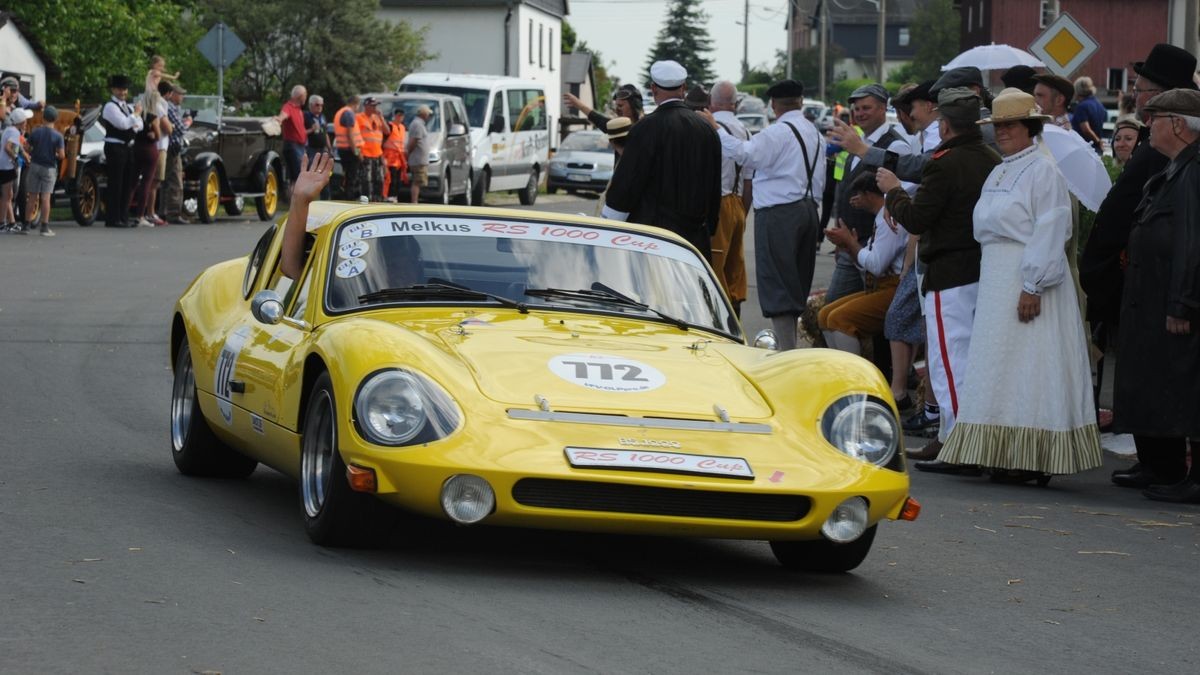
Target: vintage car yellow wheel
{"points": [[197, 452], [210, 195], [85, 202], [268, 204], [822, 555], [334, 515]]}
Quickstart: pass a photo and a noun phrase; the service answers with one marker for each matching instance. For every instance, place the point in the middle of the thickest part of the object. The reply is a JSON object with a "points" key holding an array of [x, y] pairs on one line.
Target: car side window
{"points": [[527, 110], [286, 287], [498, 112], [257, 256]]}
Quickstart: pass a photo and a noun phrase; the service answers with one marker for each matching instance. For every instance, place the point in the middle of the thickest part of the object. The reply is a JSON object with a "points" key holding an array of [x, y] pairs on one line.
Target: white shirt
{"points": [[728, 166], [774, 155], [884, 253], [930, 137], [899, 146], [1025, 201], [119, 114], [164, 140]]}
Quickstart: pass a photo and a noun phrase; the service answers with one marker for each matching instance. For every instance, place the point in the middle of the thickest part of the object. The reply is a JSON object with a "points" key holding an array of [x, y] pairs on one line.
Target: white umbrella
{"points": [[1086, 176], [994, 57]]}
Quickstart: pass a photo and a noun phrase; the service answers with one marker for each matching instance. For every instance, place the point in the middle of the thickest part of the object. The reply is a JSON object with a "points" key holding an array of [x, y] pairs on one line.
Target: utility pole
{"points": [[745, 40], [822, 12], [881, 36]]}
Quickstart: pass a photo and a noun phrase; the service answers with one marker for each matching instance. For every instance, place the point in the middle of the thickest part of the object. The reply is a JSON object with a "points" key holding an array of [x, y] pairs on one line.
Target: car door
{"points": [[530, 124], [499, 137], [458, 147]]}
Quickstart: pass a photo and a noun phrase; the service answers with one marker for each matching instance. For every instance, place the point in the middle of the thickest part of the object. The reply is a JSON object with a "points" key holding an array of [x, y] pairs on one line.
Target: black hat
{"points": [[958, 77], [1021, 77], [1058, 83], [786, 89], [1169, 66], [118, 82], [697, 98]]}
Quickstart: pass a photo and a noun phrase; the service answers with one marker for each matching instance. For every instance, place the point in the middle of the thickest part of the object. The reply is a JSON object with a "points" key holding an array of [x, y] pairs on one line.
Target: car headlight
{"points": [[400, 407], [435, 156], [557, 163], [862, 427]]}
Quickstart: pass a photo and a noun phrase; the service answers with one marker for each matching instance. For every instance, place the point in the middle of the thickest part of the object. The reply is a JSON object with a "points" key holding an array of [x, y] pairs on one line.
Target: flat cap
{"points": [[959, 77], [175, 87], [1058, 83], [959, 103], [1019, 77], [1178, 101], [668, 74], [370, 100], [875, 89], [9, 81], [49, 114], [697, 98], [921, 92], [786, 89]]}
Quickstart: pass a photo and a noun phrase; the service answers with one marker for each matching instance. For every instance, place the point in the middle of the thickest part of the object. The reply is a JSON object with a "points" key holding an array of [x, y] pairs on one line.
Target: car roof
{"points": [[466, 80], [403, 95]]}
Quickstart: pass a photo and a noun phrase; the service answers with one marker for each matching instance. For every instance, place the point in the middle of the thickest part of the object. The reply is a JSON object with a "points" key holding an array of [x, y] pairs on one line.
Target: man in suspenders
{"points": [[788, 161], [121, 122]]}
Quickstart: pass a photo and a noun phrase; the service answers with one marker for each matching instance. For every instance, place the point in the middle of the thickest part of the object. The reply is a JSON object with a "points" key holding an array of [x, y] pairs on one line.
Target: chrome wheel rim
{"points": [[183, 398], [316, 458], [446, 188], [468, 192]]}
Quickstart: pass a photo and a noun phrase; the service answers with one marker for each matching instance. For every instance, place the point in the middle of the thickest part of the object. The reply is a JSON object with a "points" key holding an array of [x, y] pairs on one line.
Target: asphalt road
{"points": [[114, 562]]}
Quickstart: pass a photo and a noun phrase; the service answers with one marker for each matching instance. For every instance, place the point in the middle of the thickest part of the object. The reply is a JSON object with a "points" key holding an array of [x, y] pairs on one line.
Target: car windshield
{"points": [[586, 141], [409, 106], [563, 265], [204, 108], [475, 100], [753, 122]]}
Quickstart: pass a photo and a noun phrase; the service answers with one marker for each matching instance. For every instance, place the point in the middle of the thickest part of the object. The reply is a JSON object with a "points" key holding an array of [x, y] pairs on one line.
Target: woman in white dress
{"points": [[1026, 410]]}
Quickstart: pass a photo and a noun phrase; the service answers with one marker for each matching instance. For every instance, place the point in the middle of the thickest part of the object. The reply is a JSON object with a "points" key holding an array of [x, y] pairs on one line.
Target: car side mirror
{"points": [[497, 125], [458, 130], [765, 339], [267, 307]]}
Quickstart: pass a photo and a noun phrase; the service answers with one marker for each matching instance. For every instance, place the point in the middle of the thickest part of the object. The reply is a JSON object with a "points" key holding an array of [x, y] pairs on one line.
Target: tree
{"points": [[684, 38], [806, 67], [935, 32], [604, 84]]}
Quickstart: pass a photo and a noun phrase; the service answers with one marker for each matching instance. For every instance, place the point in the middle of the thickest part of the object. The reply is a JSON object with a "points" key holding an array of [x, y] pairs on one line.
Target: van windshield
{"points": [[475, 100]]}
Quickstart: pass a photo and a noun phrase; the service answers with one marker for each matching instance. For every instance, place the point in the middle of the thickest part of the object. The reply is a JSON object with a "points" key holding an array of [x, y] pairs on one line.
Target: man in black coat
{"points": [[670, 171], [1101, 270]]}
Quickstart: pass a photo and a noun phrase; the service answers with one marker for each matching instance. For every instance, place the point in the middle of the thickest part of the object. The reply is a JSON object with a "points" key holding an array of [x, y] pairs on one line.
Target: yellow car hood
{"points": [[601, 365]]}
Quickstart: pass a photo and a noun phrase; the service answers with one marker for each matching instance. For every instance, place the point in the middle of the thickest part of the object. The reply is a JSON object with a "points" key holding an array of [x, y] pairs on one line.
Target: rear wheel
{"points": [[85, 202], [528, 194], [481, 187], [196, 450], [468, 192], [334, 514], [210, 195], [445, 196], [268, 204], [822, 555]]}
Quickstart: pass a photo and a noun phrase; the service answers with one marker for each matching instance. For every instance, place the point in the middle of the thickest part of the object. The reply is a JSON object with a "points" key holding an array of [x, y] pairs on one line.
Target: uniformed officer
{"points": [[941, 213]]}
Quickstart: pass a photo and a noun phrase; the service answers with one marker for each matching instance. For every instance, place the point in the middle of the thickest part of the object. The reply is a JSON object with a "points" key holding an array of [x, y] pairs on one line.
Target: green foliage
{"points": [[806, 67], [684, 38], [568, 37], [842, 89], [935, 32], [905, 74]]}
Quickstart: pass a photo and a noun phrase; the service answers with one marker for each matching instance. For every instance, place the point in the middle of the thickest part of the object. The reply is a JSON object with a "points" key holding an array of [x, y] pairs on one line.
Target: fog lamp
{"points": [[467, 499], [847, 522]]}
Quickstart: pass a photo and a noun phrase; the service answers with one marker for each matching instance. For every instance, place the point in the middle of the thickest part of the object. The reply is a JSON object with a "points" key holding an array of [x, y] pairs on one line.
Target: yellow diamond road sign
{"points": [[1064, 46]]}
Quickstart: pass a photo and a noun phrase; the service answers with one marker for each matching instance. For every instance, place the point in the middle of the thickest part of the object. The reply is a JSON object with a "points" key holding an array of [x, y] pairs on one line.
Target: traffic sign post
{"points": [[1064, 46], [221, 47]]}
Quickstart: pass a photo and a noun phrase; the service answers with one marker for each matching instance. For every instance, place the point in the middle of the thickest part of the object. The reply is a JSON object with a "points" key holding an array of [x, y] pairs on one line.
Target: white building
{"points": [[517, 38], [23, 58]]}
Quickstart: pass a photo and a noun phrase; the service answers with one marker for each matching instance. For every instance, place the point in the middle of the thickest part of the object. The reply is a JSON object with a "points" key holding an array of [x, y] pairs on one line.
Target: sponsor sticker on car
{"points": [[652, 460]]}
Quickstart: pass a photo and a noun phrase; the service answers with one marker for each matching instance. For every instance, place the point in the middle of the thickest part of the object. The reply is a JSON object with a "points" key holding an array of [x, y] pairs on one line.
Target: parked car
{"points": [[450, 175], [584, 161], [226, 161], [813, 110], [509, 129], [526, 369], [754, 122]]}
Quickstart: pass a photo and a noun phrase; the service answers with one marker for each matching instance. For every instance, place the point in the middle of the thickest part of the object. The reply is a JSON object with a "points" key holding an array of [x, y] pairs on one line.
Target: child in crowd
{"points": [[47, 151], [12, 150]]}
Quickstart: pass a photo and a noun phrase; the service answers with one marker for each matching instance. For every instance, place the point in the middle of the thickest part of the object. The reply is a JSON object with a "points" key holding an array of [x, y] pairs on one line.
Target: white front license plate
{"points": [[579, 177], [669, 462]]}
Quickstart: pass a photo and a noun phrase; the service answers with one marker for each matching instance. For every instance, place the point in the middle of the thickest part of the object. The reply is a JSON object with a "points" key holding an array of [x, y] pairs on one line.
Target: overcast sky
{"points": [[623, 31]]}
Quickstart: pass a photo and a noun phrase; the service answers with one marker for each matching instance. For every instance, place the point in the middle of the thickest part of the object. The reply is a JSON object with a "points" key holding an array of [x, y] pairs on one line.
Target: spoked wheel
{"points": [[210, 195], [85, 202], [334, 514], [196, 450], [822, 555], [268, 204]]}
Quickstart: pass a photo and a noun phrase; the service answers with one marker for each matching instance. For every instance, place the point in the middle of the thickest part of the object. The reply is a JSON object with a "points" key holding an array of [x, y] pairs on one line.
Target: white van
{"points": [[510, 128]]}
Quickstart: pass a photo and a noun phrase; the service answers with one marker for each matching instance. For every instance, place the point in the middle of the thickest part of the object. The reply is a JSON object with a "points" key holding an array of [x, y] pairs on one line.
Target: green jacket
{"points": [[942, 209]]}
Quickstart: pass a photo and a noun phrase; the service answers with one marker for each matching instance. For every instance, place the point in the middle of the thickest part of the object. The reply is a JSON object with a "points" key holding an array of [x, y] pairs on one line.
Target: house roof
{"points": [[553, 7], [575, 67], [862, 11], [52, 71]]}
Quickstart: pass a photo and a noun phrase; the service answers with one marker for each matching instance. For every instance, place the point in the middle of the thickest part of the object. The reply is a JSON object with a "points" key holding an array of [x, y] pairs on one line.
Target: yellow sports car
{"points": [[533, 370]]}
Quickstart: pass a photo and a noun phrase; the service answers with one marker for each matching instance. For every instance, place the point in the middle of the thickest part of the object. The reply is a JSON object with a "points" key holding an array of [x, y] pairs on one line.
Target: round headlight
{"points": [[390, 407], [467, 499], [865, 430], [847, 522]]}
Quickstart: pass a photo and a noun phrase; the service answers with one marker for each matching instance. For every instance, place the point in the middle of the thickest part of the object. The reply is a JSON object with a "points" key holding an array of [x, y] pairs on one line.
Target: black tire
{"points": [[235, 206], [444, 198], [86, 200], [468, 192], [550, 189], [528, 194], [209, 197], [268, 205], [822, 555], [196, 450], [481, 187], [334, 514]]}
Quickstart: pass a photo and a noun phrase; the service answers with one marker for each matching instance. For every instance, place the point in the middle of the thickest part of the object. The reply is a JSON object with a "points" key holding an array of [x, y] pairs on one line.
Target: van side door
{"points": [[498, 139], [531, 131]]}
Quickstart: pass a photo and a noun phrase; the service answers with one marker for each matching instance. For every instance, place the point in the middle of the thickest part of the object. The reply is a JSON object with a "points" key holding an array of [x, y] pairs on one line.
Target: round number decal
{"points": [[353, 249], [350, 268], [607, 373]]}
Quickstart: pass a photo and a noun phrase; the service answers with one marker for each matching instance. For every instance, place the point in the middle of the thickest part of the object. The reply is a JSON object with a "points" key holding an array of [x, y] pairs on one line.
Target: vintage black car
{"points": [[224, 163]]}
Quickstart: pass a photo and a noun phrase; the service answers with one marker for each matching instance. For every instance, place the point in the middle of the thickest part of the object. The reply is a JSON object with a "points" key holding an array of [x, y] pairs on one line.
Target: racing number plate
{"points": [[668, 462]]}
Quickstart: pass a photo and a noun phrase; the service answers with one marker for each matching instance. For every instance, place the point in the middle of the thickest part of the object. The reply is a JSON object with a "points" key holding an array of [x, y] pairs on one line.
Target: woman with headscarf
{"points": [[627, 101]]}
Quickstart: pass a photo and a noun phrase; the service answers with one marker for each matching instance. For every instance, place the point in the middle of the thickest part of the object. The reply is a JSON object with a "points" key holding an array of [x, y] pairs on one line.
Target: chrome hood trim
{"points": [[644, 422]]}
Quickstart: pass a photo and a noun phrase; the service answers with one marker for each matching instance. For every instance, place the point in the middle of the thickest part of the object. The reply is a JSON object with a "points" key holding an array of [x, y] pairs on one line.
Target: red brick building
{"points": [[1124, 29]]}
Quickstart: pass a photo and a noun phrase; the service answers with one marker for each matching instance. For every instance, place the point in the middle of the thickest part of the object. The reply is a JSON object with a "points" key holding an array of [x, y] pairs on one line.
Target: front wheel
{"points": [[210, 195], [467, 193], [85, 201], [196, 450], [268, 203], [822, 555], [528, 194], [480, 187], [334, 514]]}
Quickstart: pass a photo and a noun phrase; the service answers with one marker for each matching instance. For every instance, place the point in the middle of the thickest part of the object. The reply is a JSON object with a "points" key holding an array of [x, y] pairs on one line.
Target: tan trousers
{"points": [[728, 254], [862, 313]]}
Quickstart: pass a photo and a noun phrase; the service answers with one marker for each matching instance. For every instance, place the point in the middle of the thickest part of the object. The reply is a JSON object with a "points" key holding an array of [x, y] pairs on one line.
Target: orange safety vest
{"points": [[393, 146], [370, 127], [345, 138]]}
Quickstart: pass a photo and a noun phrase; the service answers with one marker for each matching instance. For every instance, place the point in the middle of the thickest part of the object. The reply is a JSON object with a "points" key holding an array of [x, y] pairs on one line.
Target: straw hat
{"points": [[618, 127], [1012, 105]]}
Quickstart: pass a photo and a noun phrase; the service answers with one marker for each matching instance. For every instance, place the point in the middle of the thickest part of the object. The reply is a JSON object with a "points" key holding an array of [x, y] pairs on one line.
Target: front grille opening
{"points": [[658, 501]]}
